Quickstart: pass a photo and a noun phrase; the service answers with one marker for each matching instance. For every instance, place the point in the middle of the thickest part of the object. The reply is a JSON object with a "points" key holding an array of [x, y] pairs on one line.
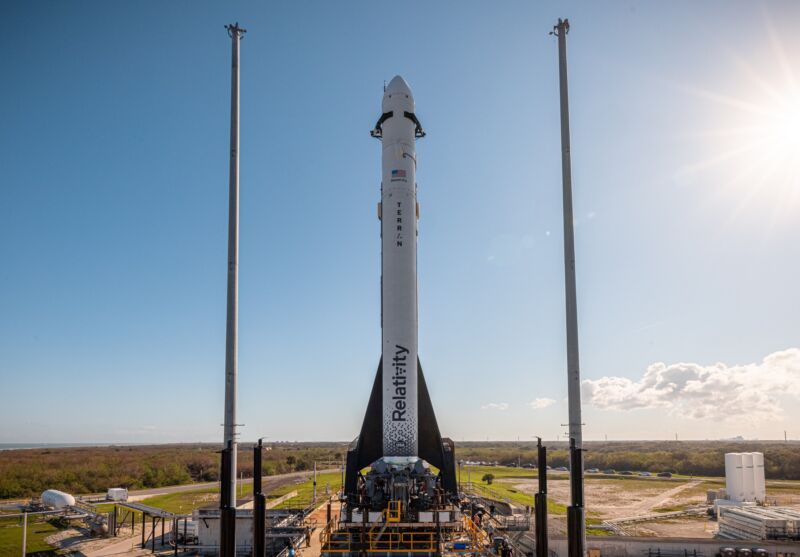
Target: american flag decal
{"points": [[398, 173]]}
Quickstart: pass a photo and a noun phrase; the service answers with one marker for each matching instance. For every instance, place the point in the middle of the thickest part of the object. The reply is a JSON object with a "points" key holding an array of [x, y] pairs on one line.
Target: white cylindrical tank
{"points": [[748, 478], [760, 485], [57, 499], [733, 476]]}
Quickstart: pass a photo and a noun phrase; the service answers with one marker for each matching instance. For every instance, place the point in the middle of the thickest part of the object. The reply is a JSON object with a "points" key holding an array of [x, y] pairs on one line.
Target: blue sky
{"points": [[113, 215]]}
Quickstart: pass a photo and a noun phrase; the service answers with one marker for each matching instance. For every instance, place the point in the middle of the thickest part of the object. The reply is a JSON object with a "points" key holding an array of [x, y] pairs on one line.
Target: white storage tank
{"points": [[57, 499], [758, 472], [748, 478], [733, 477]]}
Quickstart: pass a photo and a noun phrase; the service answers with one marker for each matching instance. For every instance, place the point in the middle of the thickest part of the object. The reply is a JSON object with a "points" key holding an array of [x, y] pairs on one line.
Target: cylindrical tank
{"points": [[57, 499], [748, 478], [733, 476], [760, 486]]}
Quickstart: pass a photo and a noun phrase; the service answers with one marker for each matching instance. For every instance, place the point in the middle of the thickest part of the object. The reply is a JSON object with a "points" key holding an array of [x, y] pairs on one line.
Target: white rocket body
{"points": [[399, 214]]}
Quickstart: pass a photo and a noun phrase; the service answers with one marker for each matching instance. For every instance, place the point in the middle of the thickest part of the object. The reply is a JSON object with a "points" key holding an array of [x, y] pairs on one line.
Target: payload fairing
{"points": [[400, 423]]}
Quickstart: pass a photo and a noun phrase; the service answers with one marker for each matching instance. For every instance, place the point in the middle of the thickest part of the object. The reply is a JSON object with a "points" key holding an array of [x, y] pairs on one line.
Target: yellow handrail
{"points": [[394, 511], [476, 534], [402, 541], [337, 545]]}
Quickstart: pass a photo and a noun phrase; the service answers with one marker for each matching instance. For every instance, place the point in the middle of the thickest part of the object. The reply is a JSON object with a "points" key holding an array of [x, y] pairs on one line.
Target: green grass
{"points": [[104, 507], [11, 539], [475, 473], [184, 502], [503, 486], [305, 490], [783, 488]]}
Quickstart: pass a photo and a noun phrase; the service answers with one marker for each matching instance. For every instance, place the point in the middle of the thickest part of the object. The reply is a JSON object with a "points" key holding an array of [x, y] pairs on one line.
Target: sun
{"points": [[750, 148], [782, 130]]}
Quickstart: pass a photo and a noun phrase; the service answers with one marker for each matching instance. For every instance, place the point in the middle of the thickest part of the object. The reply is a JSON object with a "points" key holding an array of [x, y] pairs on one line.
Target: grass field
{"points": [[502, 484], [305, 490], [185, 501], [11, 539]]}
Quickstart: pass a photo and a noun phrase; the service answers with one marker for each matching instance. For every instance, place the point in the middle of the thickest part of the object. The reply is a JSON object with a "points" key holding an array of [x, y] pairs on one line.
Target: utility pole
{"points": [[232, 318], [575, 513]]}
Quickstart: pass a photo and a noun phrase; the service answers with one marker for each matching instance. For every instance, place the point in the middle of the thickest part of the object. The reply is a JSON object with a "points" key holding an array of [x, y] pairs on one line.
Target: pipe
{"points": [[227, 538], [259, 503], [541, 502], [576, 530]]}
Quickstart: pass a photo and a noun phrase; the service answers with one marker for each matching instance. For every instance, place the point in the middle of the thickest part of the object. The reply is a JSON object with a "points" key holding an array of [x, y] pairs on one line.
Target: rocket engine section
{"points": [[412, 484], [400, 426]]}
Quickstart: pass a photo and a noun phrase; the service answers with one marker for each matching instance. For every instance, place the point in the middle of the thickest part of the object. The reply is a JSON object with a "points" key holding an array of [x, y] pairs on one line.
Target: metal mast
{"points": [[231, 332], [575, 522]]}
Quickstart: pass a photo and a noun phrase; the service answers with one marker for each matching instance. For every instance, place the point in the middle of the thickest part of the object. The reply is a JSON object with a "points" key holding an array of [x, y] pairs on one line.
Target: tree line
{"points": [[699, 458], [26, 473]]}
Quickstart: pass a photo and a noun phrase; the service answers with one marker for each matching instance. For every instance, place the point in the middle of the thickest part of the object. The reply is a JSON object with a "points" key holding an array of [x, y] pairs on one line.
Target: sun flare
{"points": [[750, 147]]}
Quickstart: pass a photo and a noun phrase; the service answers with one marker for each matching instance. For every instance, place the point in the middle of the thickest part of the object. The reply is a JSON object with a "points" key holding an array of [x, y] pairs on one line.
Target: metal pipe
{"points": [[576, 531], [227, 538], [231, 328], [540, 500], [259, 503], [24, 534]]}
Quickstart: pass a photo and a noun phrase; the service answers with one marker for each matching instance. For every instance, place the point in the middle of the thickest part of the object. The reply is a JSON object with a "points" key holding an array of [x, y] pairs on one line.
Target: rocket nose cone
{"points": [[398, 85]]}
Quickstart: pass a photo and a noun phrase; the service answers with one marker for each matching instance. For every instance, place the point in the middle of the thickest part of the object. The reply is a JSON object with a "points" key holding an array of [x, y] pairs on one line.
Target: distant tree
{"points": [[291, 460], [488, 478]]}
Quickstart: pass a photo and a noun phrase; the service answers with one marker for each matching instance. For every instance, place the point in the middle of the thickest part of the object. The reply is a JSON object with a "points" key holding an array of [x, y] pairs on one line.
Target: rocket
{"points": [[399, 423], [398, 129]]}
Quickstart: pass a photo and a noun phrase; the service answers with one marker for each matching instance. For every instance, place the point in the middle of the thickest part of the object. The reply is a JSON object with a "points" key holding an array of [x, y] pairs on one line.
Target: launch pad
{"points": [[400, 506]]}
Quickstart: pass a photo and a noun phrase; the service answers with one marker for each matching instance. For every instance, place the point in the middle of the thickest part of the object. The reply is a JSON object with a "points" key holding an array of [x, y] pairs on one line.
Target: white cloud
{"points": [[496, 406], [539, 403], [716, 392]]}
